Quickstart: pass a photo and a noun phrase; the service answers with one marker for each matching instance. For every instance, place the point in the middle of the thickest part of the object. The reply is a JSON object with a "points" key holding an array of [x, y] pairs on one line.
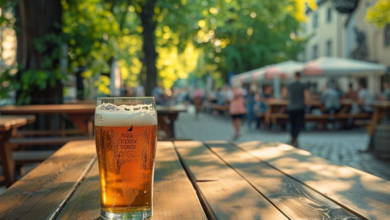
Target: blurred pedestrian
{"points": [[187, 96], [330, 99], [197, 99], [158, 94], [365, 98], [296, 108], [139, 91], [237, 108], [250, 104], [386, 92], [351, 94], [283, 92], [339, 91], [260, 107], [267, 92]]}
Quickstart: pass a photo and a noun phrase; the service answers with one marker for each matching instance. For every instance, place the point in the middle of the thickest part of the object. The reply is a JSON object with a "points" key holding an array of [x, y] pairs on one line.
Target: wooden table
{"points": [[167, 115], [8, 126], [279, 106], [380, 110], [82, 114], [212, 180]]}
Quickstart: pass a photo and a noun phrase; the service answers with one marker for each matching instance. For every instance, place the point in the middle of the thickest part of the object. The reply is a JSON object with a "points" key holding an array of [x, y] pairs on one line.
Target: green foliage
{"points": [[240, 36], [8, 83], [228, 35], [379, 14]]}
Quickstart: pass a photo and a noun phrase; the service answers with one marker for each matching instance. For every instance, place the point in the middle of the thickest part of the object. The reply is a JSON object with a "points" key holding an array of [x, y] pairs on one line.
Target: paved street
{"points": [[340, 147]]}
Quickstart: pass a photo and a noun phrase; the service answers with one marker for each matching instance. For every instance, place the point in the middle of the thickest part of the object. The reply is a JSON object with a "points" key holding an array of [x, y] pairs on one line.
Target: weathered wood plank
{"points": [[85, 202], [42, 192], [293, 198], [174, 196], [226, 193], [357, 191], [168, 166], [13, 121], [176, 200]]}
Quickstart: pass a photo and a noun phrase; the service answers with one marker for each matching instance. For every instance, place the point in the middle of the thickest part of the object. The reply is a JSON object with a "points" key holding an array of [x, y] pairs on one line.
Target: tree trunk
{"points": [[149, 48], [35, 19]]}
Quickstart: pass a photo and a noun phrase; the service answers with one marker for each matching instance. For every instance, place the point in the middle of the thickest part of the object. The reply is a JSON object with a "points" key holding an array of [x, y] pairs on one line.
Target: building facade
{"points": [[346, 35]]}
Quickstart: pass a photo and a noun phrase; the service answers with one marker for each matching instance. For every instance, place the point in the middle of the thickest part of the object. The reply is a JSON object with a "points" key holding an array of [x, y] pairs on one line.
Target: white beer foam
{"points": [[124, 115]]}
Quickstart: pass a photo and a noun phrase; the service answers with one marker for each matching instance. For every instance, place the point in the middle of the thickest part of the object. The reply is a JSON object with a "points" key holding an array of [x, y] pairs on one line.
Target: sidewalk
{"points": [[340, 147]]}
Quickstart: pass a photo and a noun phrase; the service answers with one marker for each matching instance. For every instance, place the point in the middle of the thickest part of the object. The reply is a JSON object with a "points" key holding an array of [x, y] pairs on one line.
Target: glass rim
{"points": [[134, 98]]}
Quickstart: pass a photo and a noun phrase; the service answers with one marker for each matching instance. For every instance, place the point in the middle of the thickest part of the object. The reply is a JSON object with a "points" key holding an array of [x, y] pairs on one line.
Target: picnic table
{"points": [[277, 112], [8, 126], [380, 110], [210, 180], [82, 114]]}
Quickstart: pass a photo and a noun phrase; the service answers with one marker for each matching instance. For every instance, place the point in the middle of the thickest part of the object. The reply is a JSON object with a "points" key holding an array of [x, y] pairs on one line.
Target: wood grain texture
{"points": [[294, 199], [47, 140], [174, 196], [176, 200], [363, 194], [8, 127], [14, 121], [85, 202], [7, 161], [226, 193], [48, 109], [42, 192], [167, 165]]}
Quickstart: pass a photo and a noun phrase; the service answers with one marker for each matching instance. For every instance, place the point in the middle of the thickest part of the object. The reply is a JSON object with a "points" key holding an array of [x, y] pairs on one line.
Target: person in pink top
{"points": [[237, 108]]}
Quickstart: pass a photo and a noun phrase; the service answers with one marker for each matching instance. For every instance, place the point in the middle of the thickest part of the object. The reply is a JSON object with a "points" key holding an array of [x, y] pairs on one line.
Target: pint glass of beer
{"points": [[125, 135]]}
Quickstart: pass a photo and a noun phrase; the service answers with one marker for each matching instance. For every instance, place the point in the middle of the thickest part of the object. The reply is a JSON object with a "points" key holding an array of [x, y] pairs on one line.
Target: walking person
{"points": [[296, 108], [197, 100], [237, 108], [250, 104], [365, 98]]}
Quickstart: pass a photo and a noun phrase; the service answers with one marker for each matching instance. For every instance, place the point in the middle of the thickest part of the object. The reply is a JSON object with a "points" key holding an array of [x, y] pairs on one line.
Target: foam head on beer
{"points": [[112, 115]]}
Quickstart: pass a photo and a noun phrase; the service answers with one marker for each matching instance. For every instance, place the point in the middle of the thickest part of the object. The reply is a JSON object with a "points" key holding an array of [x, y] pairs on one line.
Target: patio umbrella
{"points": [[283, 70], [337, 66]]}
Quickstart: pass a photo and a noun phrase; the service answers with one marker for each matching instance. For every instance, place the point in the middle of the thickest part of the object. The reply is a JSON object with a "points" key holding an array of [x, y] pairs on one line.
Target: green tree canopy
{"points": [[167, 40], [379, 14]]}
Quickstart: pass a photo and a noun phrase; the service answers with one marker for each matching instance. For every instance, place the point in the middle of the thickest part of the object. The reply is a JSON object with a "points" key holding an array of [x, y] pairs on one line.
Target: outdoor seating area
{"points": [[15, 139], [195, 110]]}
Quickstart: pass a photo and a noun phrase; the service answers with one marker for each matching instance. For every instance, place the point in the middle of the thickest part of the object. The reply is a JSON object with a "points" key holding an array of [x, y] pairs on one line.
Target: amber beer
{"points": [[126, 146]]}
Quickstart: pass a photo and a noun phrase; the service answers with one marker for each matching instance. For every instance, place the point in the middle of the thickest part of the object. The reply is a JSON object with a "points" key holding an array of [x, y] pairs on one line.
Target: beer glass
{"points": [[125, 135]]}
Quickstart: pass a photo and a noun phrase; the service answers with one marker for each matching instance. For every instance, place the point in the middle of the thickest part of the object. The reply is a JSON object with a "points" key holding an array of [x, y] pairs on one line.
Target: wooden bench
{"points": [[282, 118], [31, 141], [62, 133]]}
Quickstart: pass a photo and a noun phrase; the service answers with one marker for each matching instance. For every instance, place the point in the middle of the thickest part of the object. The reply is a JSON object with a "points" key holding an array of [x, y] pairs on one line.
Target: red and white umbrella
{"points": [[337, 66], [284, 70]]}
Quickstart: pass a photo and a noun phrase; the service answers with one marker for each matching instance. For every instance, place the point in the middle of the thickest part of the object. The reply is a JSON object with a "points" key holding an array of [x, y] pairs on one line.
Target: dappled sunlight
{"points": [[330, 187], [355, 189], [285, 147], [237, 200]]}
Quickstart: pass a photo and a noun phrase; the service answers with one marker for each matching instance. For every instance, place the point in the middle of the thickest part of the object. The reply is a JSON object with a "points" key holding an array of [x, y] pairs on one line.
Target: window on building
{"points": [[329, 48], [387, 35], [315, 20], [329, 15], [315, 51]]}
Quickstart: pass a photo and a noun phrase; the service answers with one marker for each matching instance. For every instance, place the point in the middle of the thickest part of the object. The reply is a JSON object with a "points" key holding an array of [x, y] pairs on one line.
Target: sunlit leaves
{"points": [[379, 14]]}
